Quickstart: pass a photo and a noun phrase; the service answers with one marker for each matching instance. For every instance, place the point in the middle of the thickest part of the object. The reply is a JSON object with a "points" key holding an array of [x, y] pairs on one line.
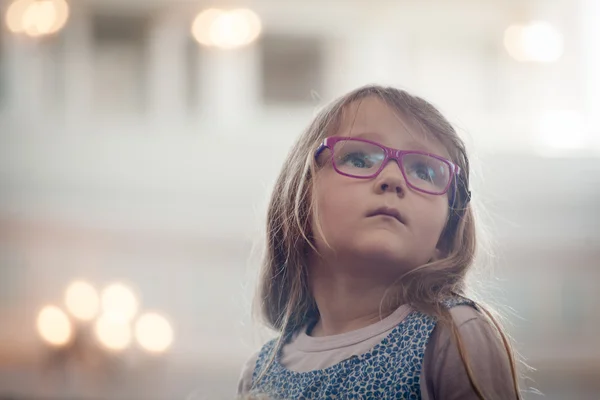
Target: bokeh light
{"points": [[226, 29], [119, 302], [37, 17], [82, 301], [54, 326], [153, 332], [537, 41], [112, 333]]}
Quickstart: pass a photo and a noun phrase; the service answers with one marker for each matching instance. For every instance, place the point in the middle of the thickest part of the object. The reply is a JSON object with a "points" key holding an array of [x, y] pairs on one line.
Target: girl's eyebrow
{"points": [[374, 136], [408, 145], [414, 145]]}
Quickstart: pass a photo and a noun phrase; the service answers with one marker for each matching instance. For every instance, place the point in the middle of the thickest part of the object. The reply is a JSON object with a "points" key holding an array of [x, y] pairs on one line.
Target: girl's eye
{"points": [[357, 160], [424, 172]]}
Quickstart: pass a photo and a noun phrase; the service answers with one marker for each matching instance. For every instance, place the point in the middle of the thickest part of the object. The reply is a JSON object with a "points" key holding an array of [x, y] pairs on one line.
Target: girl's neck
{"points": [[347, 303]]}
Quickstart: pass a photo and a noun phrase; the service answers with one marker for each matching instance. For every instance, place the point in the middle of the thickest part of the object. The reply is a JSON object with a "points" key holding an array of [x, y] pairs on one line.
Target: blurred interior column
{"points": [[78, 68], [230, 86], [24, 74], [165, 78]]}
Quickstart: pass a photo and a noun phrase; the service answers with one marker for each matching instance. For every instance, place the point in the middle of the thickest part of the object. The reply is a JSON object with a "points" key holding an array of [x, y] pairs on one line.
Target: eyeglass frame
{"points": [[391, 154]]}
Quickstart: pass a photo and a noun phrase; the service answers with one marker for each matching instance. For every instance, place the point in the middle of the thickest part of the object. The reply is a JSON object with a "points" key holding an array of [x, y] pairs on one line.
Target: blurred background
{"points": [[140, 139]]}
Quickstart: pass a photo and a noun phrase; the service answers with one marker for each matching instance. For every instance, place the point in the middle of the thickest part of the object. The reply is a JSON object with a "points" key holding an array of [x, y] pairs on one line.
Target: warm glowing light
{"points": [[119, 302], [513, 42], [15, 13], [535, 42], [37, 17], [202, 25], [54, 326], [226, 29], [82, 301], [113, 334], [543, 42], [154, 333]]}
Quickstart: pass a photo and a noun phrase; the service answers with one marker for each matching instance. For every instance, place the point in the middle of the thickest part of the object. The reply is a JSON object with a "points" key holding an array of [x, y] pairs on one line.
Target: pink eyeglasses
{"points": [[365, 159]]}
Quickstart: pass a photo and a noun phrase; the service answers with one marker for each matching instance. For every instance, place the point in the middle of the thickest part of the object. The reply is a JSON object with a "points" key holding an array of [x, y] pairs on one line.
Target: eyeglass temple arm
{"points": [[465, 192], [320, 149]]}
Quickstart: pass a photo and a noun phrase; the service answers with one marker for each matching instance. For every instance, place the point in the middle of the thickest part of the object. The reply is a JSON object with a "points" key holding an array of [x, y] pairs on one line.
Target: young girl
{"points": [[370, 236]]}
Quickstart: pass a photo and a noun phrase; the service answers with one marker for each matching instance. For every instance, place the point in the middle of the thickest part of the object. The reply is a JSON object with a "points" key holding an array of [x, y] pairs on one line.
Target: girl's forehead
{"points": [[372, 118]]}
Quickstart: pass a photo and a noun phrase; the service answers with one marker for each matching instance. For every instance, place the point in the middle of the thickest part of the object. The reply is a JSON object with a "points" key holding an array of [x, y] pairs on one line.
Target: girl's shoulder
{"points": [[444, 374], [469, 319], [459, 301], [245, 381], [465, 312], [256, 360]]}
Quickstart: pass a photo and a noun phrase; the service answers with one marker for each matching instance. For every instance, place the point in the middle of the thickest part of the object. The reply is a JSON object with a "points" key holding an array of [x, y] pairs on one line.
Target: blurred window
{"points": [[119, 62], [292, 68]]}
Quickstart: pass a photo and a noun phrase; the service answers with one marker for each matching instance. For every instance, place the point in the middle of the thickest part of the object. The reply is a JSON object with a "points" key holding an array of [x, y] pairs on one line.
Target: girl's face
{"points": [[345, 204]]}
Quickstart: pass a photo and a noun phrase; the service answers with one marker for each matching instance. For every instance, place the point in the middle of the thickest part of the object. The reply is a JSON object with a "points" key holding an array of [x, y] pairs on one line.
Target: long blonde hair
{"points": [[285, 300]]}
